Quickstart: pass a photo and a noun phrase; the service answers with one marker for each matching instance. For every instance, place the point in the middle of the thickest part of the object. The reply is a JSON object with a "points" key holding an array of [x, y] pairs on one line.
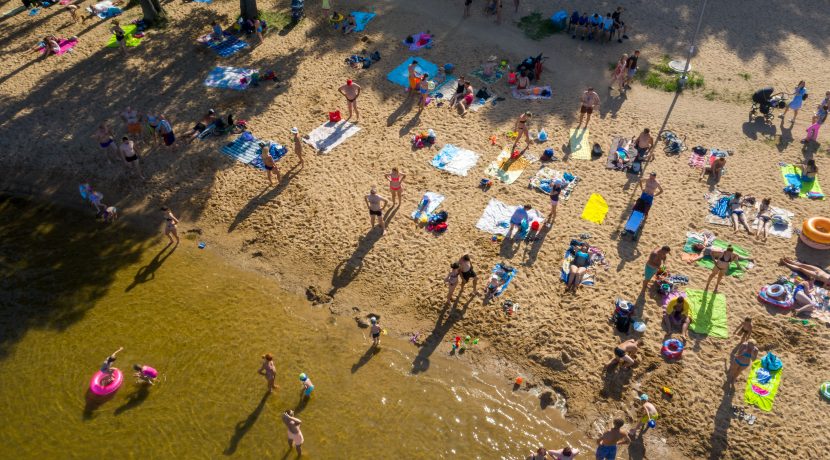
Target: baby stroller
{"points": [[297, 7], [763, 101], [532, 66], [674, 144]]}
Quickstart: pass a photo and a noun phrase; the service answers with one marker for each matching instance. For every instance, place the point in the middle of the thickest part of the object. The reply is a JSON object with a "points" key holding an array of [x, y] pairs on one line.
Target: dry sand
{"points": [[311, 230]]}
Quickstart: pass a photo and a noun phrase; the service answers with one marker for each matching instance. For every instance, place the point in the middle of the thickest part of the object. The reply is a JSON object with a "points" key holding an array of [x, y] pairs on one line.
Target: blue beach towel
{"points": [[228, 46], [203, 1], [506, 277], [400, 74], [244, 151], [361, 19], [277, 151], [110, 13], [721, 208]]}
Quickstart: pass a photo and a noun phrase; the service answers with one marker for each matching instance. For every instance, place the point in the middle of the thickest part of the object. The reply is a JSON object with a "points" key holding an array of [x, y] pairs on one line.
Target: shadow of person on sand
{"points": [[148, 272], [436, 336], [786, 137], [347, 270], [615, 380], [242, 428], [365, 358], [532, 247], [267, 194], [637, 449], [405, 107], [135, 399], [611, 105], [719, 440]]}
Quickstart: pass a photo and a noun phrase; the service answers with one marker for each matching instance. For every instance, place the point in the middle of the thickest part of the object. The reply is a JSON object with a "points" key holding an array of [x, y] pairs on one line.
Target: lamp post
{"points": [[685, 75]]}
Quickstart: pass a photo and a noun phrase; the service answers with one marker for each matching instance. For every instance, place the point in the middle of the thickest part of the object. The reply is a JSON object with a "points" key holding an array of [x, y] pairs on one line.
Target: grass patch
{"points": [[660, 76], [710, 95], [745, 76], [537, 27], [276, 20]]}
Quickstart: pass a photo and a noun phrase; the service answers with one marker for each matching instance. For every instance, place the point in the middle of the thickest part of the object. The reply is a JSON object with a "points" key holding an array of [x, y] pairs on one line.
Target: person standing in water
{"points": [[395, 179], [376, 204], [295, 436], [106, 367], [268, 162], [351, 91], [308, 387], [170, 223], [298, 145], [269, 371], [375, 330], [145, 374]]}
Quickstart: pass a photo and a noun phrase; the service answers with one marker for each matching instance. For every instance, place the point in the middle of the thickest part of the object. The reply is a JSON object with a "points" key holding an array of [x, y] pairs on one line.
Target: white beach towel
{"points": [[329, 135], [476, 105], [435, 200], [780, 231], [496, 217], [455, 160]]}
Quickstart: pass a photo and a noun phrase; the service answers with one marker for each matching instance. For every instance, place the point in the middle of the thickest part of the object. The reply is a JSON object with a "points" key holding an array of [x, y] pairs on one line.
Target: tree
{"points": [[248, 9], [153, 12]]}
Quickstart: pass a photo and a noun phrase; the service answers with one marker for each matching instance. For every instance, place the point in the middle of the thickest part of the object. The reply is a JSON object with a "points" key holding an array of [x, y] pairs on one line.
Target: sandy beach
{"points": [[312, 230]]}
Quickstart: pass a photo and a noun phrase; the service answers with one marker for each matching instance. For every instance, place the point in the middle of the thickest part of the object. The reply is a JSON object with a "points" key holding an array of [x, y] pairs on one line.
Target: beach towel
{"points": [[433, 201], [587, 278], [129, 30], [784, 230], [617, 143], [595, 209], [736, 269], [697, 161], [361, 19], [544, 92], [495, 219], [419, 40], [505, 169], [65, 45], [455, 160], [400, 74], [792, 176], [708, 312], [277, 151], [718, 204], [227, 47], [761, 394], [479, 73], [445, 90], [506, 277], [105, 10], [544, 178], [229, 78], [579, 143], [203, 1], [478, 103], [329, 135], [244, 151]]}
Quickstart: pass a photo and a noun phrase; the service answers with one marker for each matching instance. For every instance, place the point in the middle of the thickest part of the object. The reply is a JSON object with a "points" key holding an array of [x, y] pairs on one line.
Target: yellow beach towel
{"points": [[595, 209], [579, 143]]}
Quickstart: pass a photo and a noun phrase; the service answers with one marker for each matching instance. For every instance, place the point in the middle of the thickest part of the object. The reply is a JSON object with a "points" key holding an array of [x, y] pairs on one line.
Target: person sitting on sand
{"points": [[217, 34], [764, 219], [578, 267], [715, 171], [106, 368], [819, 276], [495, 283], [655, 263], [677, 316], [649, 412], [805, 297], [520, 216], [624, 353], [467, 100], [643, 144], [809, 171], [744, 355], [522, 81], [607, 443], [459, 92], [208, 119], [350, 26], [488, 69]]}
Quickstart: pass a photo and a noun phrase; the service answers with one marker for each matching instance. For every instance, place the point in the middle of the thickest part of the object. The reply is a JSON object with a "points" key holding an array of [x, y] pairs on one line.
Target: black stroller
{"points": [[297, 7], [763, 101]]}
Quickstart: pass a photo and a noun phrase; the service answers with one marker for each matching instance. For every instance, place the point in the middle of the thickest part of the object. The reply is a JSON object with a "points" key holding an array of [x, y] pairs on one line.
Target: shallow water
{"points": [[72, 291]]}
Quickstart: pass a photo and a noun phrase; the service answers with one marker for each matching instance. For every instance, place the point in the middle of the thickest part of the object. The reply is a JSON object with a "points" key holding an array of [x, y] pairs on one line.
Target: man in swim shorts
{"points": [[608, 442], [103, 135], [130, 155], [588, 102], [655, 261], [465, 265], [643, 144], [351, 91], [631, 68], [624, 353], [376, 205], [651, 188], [268, 162]]}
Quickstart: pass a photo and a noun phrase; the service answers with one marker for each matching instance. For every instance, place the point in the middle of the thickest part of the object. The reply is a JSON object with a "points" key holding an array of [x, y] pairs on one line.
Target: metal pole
{"points": [[684, 75]]}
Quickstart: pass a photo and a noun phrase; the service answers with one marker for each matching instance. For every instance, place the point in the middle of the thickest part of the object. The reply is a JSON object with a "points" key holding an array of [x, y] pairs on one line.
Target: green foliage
{"points": [[537, 27], [661, 76], [276, 19], [746, 76]]}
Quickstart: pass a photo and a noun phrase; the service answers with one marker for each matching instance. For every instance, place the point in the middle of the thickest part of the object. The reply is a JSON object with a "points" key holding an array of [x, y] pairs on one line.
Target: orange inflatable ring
{"points": [[817, 229], [813, 244]]}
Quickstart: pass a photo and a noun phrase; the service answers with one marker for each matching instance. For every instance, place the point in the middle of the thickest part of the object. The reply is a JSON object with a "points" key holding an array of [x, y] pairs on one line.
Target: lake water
{"points": [[73, 290]]}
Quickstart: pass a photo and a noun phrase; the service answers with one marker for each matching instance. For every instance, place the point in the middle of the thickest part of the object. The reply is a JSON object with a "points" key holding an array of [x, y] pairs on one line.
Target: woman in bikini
{"points": [[170, 223], [746, 353], [268, 162], [459, 92], [120, 36], [820, 276], [809, 171], [521, 130], [395, 179], [555, 190], [722, 264], [804, 295], [269, 371], [764, 219], [423, 89], [737, 213]]}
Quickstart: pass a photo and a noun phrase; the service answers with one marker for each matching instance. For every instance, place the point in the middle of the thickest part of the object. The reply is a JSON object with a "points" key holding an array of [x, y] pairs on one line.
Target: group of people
{"points": [[595, 26]]}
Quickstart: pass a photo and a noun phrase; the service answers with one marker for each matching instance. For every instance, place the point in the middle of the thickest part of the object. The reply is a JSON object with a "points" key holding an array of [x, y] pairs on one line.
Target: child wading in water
{"points": [[376, 330], [308, 387], [395, 185]]}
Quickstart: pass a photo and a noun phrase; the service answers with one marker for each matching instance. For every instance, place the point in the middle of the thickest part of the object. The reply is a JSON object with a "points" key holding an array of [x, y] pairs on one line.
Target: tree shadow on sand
{"points": [[242, 428]]}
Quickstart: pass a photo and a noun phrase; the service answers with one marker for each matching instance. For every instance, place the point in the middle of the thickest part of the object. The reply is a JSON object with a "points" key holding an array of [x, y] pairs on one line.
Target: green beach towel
{"points": [[794, 173], [131, 41], [735, 269], [708, 312], [760, 394]]}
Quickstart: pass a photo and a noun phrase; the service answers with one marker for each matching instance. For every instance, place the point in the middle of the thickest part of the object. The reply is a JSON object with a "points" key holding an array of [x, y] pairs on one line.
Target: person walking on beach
{"points": [[376, 205], [812, 131], [631, 68], [298, 145], [656, 261], [521, 131], [588, 102], [120, 36], [166, 131], [721, 267], [295, 436], [555, 191], [799, 95], [170, 223], [375, 330], [452, 280], [103, 135], [465, 264], [608, 442], [268, 162], [269, 371], [308, 387], [619, 74], [351, 91], [130, 155], [423, 90], [395, 179]]}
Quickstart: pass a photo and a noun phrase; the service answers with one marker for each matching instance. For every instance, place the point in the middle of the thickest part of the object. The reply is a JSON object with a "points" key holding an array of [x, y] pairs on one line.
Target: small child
{"points": [[109, 215], [812, 131], [145, 374], [452, 280], [376, 330], [745, 329], [496, 281], [73, 11], [350, 25], [308, 387]]}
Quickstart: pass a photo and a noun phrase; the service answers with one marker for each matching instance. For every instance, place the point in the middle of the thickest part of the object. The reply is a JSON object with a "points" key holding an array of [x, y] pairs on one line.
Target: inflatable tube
{"points": [[149, 372], [100, 390], [817, 229], [672, 349], [825, 390], [771, 295], [813, 244]]}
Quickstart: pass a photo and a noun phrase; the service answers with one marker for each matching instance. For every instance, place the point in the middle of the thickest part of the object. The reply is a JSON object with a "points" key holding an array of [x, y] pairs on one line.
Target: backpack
{"points": [[622, 323], [438, 228], [438, 218], [483, 94]]}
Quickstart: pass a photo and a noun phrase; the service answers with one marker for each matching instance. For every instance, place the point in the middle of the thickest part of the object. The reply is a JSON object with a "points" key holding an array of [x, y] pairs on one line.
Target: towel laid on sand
{"points": [[455, 160], [64, 44], [478, 104], [277, 151], [433, 201], [718, 204], [105, 10], [228, 47], [129, 30], [697, 161], [708, 312], [545, 177], [618, 142], [329, 135], [579, 143], [760, 394], [506, 277], [565, 268], [243, 150], [505, 169], [400, 74], [229, 78], [362, 19], [544, 92], [479, 73], [595, 209], [446, 89], [419, 40], [495, 219], [792, 176], [736, 269], [784, 230]]}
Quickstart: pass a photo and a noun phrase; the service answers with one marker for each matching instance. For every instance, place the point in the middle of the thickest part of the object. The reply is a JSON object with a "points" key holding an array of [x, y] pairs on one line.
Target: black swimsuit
{"points": [[460, 88]]}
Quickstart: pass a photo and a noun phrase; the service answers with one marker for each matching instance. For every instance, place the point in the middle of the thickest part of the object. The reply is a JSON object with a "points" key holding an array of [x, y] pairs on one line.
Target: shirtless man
{"points": [[103, 135], [202, 125], [624, 353], [466, 267], [376, 205], [643, 144], [295, 436], [268, 162], [132, 119], [351, 91], [655, 261], [298, 145], [608, 442], [651, 188], [811, 271], [130, 155], [588, 102], [413, 78]]}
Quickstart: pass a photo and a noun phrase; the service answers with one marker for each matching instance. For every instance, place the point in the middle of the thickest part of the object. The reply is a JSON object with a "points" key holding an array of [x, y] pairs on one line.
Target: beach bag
{"points": [[792, 190], [596, 150], [483, 94], [699, 150], [622, 323], [771, 362], [439, 228], [438, 218], [409, 40], [334, 117]]}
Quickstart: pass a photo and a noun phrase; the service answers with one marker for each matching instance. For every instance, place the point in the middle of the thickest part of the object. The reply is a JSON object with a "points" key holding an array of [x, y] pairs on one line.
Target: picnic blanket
{"points": [[545, 177], [400, 74], [506, 277], [708, 312], [781, 231], [446, 89], [64, 44], [429, 203], [479, 73], [419, 40], [719, 214], [455, 160], [792, 176], [736, 269], [478, 103], [618, 143], [229, 78], [244, 149], [129, 30], [697, 161], [105, 10], [361, 19], [580, 146], [505, 169], [329, 135], [544, 92], [595, 209], [495, 219], [760, 394], [587, 278], [227, 47]]}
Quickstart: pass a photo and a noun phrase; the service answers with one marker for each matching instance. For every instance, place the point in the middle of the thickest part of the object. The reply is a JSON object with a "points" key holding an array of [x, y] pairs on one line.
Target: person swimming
{"points": [[145, 374]]}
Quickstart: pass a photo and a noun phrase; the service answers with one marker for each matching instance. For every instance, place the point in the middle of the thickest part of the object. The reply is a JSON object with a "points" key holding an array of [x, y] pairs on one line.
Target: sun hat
{"points": [[294, 130]]}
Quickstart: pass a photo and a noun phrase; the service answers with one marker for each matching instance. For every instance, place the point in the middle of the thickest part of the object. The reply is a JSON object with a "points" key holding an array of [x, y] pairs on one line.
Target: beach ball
{"points": [[652, 423], [431, 85]]}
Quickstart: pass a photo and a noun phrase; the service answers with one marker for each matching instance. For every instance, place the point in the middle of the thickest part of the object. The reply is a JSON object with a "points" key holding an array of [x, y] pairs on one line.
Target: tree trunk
{"points": [[248, 9], [153, 12]]}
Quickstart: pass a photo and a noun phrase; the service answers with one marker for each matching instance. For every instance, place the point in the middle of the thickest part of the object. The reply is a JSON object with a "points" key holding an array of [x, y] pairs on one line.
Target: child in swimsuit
{"points": [[423, 89], [269, 371], [268, 162], [744, 330], [555, 190], [395, 185], [452, 279], [375, 330], [308, 387]]}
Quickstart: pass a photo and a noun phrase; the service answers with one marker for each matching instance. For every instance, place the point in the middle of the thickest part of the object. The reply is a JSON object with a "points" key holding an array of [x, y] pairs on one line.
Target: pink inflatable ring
{"points": [[103, 390]]}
